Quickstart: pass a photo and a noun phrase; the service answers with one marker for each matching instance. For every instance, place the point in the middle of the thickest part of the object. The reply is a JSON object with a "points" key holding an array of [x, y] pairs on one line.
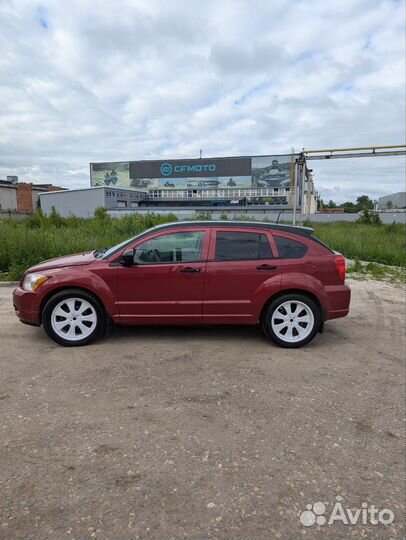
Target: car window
{"points": [[167, 248], [241, 246], [288, 248]]}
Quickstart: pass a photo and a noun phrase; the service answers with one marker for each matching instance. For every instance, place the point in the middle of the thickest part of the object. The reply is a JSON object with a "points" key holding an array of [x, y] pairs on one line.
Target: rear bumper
{"points": [[26, 306], [338, 301]]}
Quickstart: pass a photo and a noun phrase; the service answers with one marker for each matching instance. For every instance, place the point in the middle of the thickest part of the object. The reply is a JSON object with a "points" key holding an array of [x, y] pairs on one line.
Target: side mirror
{"points": [[127, 258]]}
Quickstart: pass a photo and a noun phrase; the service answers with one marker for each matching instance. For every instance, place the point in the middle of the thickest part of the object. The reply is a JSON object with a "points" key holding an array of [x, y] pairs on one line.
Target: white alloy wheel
{"points": [[73, 319], [292, 321]]}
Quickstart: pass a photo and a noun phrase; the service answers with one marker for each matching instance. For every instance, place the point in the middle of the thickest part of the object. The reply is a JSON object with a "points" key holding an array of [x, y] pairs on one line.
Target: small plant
{"points": [[376, 270], [55, 219], [357, 266], [101, 214], [36, 220], [368, 217], [392, 228]]}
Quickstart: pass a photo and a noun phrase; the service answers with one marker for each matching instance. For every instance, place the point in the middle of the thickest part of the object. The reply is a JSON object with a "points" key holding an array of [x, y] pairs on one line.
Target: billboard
{"points": [[271, 171], [201, 182], [196, 174], [185, 168], [110, 174]]}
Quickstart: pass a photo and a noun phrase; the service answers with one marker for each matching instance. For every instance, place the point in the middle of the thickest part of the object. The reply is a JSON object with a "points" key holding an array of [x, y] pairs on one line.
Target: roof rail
{"points": [[303, 231]]}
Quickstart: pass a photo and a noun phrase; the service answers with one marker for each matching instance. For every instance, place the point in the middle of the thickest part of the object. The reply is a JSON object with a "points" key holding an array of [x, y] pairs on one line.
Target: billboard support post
{"points": [[302, 188], [295, 171]]}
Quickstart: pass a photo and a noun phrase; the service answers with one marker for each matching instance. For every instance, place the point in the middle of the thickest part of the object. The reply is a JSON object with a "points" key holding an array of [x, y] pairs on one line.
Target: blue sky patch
{"points": [[43, 17]]}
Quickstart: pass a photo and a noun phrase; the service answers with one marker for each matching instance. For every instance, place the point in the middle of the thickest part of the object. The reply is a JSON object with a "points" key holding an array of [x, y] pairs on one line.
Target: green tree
{"points": [[365, 203], [389, 205], [349, 207], [331, 204]]}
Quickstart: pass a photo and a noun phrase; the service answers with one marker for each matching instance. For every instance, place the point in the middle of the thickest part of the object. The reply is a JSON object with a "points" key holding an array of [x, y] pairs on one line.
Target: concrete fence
{"points": [[232, 213]]}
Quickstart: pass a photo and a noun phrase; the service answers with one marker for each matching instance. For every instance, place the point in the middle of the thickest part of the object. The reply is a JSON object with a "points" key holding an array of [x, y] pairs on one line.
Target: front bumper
{"points": [[26, 306]]}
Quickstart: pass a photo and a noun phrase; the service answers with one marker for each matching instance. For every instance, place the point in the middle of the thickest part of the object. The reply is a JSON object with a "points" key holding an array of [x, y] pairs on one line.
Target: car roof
{"points": [[302, 231]]}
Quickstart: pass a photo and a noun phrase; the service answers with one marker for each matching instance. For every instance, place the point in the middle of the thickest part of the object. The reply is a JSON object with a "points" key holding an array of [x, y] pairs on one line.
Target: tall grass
{"points": [[25, 243], [375, 243]]}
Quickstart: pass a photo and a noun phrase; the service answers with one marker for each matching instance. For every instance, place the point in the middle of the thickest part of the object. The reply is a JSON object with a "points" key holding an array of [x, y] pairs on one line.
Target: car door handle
{"points": [[190, 270], [266, 267]]}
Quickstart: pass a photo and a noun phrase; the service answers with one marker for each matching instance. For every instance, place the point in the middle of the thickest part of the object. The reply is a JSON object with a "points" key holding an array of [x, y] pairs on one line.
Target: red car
{"points": [[277, 276]]}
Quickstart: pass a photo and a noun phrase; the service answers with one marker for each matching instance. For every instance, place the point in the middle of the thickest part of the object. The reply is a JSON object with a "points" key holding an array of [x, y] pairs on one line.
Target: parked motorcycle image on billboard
{"points": [[110, 174]]}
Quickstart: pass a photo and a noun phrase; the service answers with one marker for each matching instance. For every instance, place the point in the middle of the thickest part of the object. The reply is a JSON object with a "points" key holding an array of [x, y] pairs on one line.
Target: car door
{"points": [[165, 283], [241, 274]]}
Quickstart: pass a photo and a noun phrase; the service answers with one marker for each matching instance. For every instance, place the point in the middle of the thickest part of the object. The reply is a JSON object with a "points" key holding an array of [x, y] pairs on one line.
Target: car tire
{"points": [[73, 318], [291, 320]]}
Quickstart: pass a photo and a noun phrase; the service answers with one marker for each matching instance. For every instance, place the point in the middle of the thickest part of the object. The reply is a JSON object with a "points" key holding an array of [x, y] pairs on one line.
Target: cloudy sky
{"points": [[90, 80]]}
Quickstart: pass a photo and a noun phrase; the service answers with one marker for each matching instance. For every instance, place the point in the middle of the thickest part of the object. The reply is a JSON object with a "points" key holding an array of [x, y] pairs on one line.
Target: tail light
{"points": [[340, 266]]}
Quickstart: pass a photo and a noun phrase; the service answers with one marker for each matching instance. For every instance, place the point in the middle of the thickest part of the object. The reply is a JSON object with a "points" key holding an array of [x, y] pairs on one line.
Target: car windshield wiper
{"points": [[98, 252]]}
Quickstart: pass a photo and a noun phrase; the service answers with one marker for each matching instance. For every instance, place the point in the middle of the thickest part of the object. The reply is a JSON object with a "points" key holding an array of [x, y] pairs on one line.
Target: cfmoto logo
{"points": [[166, 169]]}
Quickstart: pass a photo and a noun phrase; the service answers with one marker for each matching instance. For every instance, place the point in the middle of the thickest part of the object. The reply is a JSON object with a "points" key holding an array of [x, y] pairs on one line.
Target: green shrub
{"points": [[368, 217]]}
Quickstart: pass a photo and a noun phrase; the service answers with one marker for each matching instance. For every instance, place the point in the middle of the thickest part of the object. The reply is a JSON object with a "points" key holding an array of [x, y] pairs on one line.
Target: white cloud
{"points": [[101, 81]]}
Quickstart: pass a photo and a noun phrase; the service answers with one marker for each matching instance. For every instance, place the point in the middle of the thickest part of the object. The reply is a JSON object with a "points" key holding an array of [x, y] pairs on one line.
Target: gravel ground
{"points": [[200, 433]]}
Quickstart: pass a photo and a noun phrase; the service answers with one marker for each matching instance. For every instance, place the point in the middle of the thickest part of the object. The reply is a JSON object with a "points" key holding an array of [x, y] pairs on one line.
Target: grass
{"points": [[358, 269], [383, 244], [25, 243]]}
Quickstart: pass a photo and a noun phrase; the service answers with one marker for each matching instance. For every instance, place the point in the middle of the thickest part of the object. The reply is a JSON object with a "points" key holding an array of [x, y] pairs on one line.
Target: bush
{"points": [[101, 214], [368, 217]]}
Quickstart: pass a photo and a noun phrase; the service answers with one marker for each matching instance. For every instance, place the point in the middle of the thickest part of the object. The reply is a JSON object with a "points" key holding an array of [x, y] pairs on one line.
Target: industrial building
{"points": [[396, 200], [21, 197], [83, 202]]}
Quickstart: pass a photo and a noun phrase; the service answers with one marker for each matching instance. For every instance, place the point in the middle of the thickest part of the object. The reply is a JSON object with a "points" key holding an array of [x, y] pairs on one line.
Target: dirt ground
{"points": [[160, 433]]}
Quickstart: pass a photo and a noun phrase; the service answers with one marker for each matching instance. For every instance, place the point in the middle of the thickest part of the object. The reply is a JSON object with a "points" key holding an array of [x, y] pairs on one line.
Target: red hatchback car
{"points": [[277, 276]]}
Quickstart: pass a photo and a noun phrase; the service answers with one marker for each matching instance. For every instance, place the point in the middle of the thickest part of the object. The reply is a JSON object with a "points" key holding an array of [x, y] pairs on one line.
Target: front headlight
{"points": [[33, 281]]}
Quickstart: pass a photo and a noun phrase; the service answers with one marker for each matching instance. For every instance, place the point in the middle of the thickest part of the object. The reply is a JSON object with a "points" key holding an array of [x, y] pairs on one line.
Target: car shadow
{"points": [[200, 333]]}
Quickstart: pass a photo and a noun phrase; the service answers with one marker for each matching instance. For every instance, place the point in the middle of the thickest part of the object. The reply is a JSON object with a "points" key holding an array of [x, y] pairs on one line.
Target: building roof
{"points": [[397, 194], [7, 184]]}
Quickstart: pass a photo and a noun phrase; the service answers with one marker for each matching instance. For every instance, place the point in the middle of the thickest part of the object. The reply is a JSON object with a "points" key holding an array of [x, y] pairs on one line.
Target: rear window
{"points": [[242, 246], [289, 249]]}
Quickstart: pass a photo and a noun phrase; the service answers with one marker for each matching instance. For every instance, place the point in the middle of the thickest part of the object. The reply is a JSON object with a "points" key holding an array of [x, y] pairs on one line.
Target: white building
{"points": [[396, 200], [83, 202]]}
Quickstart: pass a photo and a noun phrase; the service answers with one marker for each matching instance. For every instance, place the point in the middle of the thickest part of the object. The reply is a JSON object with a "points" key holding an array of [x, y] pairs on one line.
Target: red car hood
{"points": [[77, 259]]}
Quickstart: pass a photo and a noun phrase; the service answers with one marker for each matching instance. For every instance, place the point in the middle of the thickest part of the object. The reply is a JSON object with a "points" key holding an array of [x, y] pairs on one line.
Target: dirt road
{"points": [[203, 432]]}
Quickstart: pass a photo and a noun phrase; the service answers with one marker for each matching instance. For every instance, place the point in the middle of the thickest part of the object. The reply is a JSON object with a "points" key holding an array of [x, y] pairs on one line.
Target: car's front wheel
{"points": [[73, 318], [292, 320]]}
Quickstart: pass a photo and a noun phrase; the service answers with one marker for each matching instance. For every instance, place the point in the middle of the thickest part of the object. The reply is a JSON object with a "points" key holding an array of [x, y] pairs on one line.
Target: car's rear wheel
{"points": [[292, 320], [73, 318]]}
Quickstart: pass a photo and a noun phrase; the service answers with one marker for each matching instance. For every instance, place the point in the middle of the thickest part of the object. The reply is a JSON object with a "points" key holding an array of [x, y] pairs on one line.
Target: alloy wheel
{"points": [[292, 321], [73, 319]]}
